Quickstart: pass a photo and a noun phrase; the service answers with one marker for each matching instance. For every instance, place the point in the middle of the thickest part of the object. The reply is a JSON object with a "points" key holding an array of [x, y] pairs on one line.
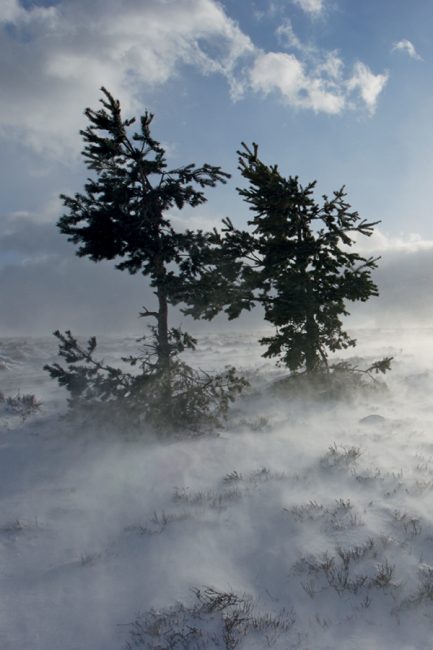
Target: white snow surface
{"points": [[309, 514]]}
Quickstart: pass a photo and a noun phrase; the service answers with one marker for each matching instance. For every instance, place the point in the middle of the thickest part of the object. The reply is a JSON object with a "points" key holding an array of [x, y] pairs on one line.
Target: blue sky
{"points": [[334, 90]]}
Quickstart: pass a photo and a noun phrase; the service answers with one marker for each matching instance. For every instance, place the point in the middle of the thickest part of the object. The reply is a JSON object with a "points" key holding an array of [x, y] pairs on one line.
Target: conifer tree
{"points": [[122, 216], [297, 261]]}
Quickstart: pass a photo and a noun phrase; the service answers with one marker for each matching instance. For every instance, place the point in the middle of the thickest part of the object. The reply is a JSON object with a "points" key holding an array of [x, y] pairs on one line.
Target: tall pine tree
{"points": [[122, 214]]}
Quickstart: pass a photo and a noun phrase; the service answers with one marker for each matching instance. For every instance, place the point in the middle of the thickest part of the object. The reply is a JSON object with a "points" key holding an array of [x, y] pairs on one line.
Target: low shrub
{"points": [[176, 398]]}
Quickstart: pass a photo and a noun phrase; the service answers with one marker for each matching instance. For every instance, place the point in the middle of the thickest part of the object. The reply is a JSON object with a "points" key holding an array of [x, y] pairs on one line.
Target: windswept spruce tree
{"points": [[297, 261], [122, 216]]}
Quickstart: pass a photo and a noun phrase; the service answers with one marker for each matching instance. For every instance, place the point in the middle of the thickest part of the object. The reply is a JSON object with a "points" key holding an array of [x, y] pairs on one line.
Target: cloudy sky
{"points": [[334, 90]]}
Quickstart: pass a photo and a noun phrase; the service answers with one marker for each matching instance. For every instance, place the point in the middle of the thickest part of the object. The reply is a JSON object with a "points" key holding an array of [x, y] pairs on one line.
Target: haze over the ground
{"points": [[320, 511]]}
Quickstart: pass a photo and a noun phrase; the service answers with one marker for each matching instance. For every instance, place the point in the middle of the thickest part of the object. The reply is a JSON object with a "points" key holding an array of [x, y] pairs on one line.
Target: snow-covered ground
{"points": [[301, 526]]}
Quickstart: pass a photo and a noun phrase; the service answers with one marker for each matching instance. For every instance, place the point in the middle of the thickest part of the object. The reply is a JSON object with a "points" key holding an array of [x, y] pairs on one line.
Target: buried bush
{"points": [[22, 405], [164, 399], [217, 619], [340, 381]]}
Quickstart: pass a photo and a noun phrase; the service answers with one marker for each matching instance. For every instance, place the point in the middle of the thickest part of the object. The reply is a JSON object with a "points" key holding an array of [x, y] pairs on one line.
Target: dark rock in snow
{"points": [[373, 418]]}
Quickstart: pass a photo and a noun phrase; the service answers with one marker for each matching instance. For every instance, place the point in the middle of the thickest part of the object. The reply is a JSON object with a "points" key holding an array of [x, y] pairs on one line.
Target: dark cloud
{"points": [[405, 282], [44, 295], [24, 236], [44, 286]]}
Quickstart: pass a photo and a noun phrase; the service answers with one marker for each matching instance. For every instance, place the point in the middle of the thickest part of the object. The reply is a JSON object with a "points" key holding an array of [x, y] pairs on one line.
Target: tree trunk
{"points": [[312, 331], [161, 293], [163, 342], [311, 360], [164, 349]]}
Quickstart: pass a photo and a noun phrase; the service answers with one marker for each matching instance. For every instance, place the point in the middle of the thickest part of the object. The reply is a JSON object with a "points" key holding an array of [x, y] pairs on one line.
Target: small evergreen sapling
{"points": [[197, 400]]}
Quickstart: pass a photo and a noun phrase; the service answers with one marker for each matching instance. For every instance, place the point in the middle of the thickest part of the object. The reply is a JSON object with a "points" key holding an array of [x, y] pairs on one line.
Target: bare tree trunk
{"points": [[164, 349], [311, 359], [163, 342], [162, 318]]}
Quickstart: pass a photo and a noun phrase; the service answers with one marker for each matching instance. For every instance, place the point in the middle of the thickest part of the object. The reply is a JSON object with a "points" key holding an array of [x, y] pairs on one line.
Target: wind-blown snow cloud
{"points": [[406, 46]]}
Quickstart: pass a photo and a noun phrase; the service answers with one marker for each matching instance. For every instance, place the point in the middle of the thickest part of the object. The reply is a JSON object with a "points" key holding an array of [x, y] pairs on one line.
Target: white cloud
{"points": [[368, 84], [287, 37], [313, 7], [325, 63], [56, 58], [12, 12], [314, 78], [331, 66], [320, 86], [381, 242], [9, 11], [284, 72], [70, 50], [406, 46]]}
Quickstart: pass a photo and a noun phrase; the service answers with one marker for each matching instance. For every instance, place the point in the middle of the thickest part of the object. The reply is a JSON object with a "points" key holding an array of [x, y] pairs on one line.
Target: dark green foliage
{"points": [[297, 262], [380, 367], [218, 274], [183, 399], [92, 379], [122, 216], [122, 213], [307, 269]]}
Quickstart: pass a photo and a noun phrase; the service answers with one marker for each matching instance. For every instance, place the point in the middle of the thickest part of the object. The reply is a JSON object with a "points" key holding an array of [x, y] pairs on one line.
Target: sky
{"points": [[333, 90]]}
